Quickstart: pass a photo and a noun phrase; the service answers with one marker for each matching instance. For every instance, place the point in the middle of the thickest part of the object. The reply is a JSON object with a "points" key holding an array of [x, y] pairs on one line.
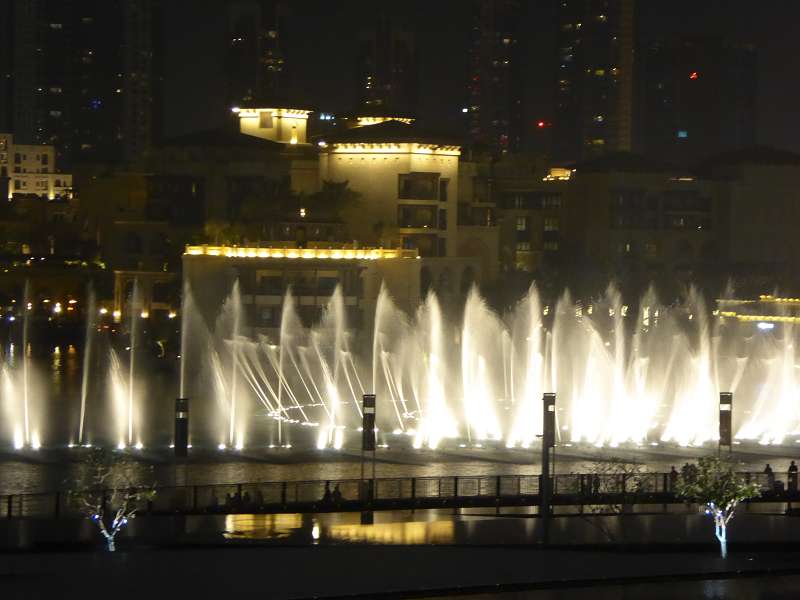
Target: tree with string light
{"points": [[106, 494], [718, 489]]}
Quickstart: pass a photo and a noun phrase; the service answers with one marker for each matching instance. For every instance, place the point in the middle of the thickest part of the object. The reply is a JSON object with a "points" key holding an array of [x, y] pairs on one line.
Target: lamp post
{"points": [[725, 421], [181, 427], [548, 443], [367, 445]]}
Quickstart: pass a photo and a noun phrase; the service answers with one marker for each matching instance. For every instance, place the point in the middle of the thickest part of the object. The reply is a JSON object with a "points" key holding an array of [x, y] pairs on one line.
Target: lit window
{"points": [[523, 246], [56, 26], [522, 223], [551, 246], [600, 72], [598, 142], [551, 224], [682, 133]]}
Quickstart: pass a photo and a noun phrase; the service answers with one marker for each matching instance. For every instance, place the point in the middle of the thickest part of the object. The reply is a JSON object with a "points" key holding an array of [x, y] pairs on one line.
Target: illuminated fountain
{"points": [[622, 377], [625, 375]]}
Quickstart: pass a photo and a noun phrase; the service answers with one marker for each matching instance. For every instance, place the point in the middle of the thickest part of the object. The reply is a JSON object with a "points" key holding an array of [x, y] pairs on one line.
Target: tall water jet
{"points": [[186, 310], [526, 339], [481, 340], [87, 360], [437, 421], [134, 307], [25, 361]]}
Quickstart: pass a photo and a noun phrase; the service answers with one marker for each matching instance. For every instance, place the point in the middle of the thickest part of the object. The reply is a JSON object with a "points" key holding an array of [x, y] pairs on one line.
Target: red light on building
{"points": [[541, 124], [693, 75]]}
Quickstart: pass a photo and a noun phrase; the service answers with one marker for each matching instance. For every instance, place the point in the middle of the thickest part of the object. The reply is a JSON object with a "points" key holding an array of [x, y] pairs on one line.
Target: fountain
{"points": [[642, 374]]}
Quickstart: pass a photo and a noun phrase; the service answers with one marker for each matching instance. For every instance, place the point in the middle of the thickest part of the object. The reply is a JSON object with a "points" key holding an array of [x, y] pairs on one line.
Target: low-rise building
{"points": [[30, 170]]}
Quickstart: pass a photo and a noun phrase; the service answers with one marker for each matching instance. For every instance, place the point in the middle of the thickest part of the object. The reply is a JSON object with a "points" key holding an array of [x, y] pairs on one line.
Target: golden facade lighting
{"points": [[301, 253]]}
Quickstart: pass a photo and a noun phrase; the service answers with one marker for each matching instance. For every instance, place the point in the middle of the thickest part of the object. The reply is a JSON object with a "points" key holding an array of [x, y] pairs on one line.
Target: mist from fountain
{"points": [[624, 375], [87, 361]]}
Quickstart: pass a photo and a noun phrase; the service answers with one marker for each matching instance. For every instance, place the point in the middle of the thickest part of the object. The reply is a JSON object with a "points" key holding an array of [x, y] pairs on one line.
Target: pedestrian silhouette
{"points": [[673, 479], [770, 477], [326, 496], [792, 477], [337, 494]]}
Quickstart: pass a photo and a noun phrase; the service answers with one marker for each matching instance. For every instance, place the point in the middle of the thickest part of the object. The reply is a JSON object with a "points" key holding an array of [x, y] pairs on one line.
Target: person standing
{"points": [[792, 478], [770, 478]]}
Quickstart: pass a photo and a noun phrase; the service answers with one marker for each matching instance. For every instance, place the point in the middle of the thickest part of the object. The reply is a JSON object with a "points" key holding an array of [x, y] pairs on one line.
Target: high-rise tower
{"points": [[594, 78], [495, 87], [698, 98], [256, 63], [85, 76], [386, 69]]}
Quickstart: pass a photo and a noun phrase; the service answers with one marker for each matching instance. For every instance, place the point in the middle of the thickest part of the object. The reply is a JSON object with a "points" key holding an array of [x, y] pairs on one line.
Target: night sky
{"points": [[320, 46]]}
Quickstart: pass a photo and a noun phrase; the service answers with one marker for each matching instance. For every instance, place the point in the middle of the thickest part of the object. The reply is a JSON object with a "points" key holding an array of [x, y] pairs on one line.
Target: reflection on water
{"points": [[260, 527], [339, 528], [416, 532]]}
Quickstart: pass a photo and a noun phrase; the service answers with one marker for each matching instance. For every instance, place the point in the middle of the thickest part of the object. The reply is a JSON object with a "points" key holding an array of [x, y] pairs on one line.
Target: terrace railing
{"points": [[391, 493]]}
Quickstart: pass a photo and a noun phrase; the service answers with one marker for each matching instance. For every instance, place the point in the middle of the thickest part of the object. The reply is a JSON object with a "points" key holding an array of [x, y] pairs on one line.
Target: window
{"points": [[682, 134], [551, 246], [17, 158], [523, 246], [522, 223], [265, 119], [45, 159], [551, 224], [442, 218], [443, 189], [418, 186], [549, 202]]}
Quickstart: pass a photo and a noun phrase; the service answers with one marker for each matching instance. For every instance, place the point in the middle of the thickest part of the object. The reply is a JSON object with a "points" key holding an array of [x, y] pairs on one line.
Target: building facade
{"points": [[30, 170], [386, 69], [594, 78], [408, 181], [698, 98], [85, 77], [494, 103], [255, 62]]}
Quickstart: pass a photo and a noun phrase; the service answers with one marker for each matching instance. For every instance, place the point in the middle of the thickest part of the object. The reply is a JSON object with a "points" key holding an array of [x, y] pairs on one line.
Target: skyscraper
{"points": [[594, 78], [255, 61], [698, 98], [386, 69], [495, 87], [85, 76]]}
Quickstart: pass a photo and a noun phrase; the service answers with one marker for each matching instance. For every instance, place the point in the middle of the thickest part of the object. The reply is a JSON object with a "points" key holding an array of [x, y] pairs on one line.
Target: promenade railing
{"points": [[392, 493]]}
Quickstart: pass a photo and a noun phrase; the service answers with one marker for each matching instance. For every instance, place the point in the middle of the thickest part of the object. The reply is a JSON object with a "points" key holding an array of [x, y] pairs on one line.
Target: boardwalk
{"points": [[352, 495]]}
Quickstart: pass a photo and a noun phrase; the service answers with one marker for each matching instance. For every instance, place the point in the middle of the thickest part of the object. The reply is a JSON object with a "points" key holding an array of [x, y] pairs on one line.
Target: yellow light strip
{"points": [[389, 148], [307, 253], [779, 300], [293, 113], [765, 318]]}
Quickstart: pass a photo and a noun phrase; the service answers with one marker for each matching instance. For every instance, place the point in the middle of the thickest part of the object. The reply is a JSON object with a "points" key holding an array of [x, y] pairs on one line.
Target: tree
{"points": [[106, 495], [607, 484], [715, 486]]}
